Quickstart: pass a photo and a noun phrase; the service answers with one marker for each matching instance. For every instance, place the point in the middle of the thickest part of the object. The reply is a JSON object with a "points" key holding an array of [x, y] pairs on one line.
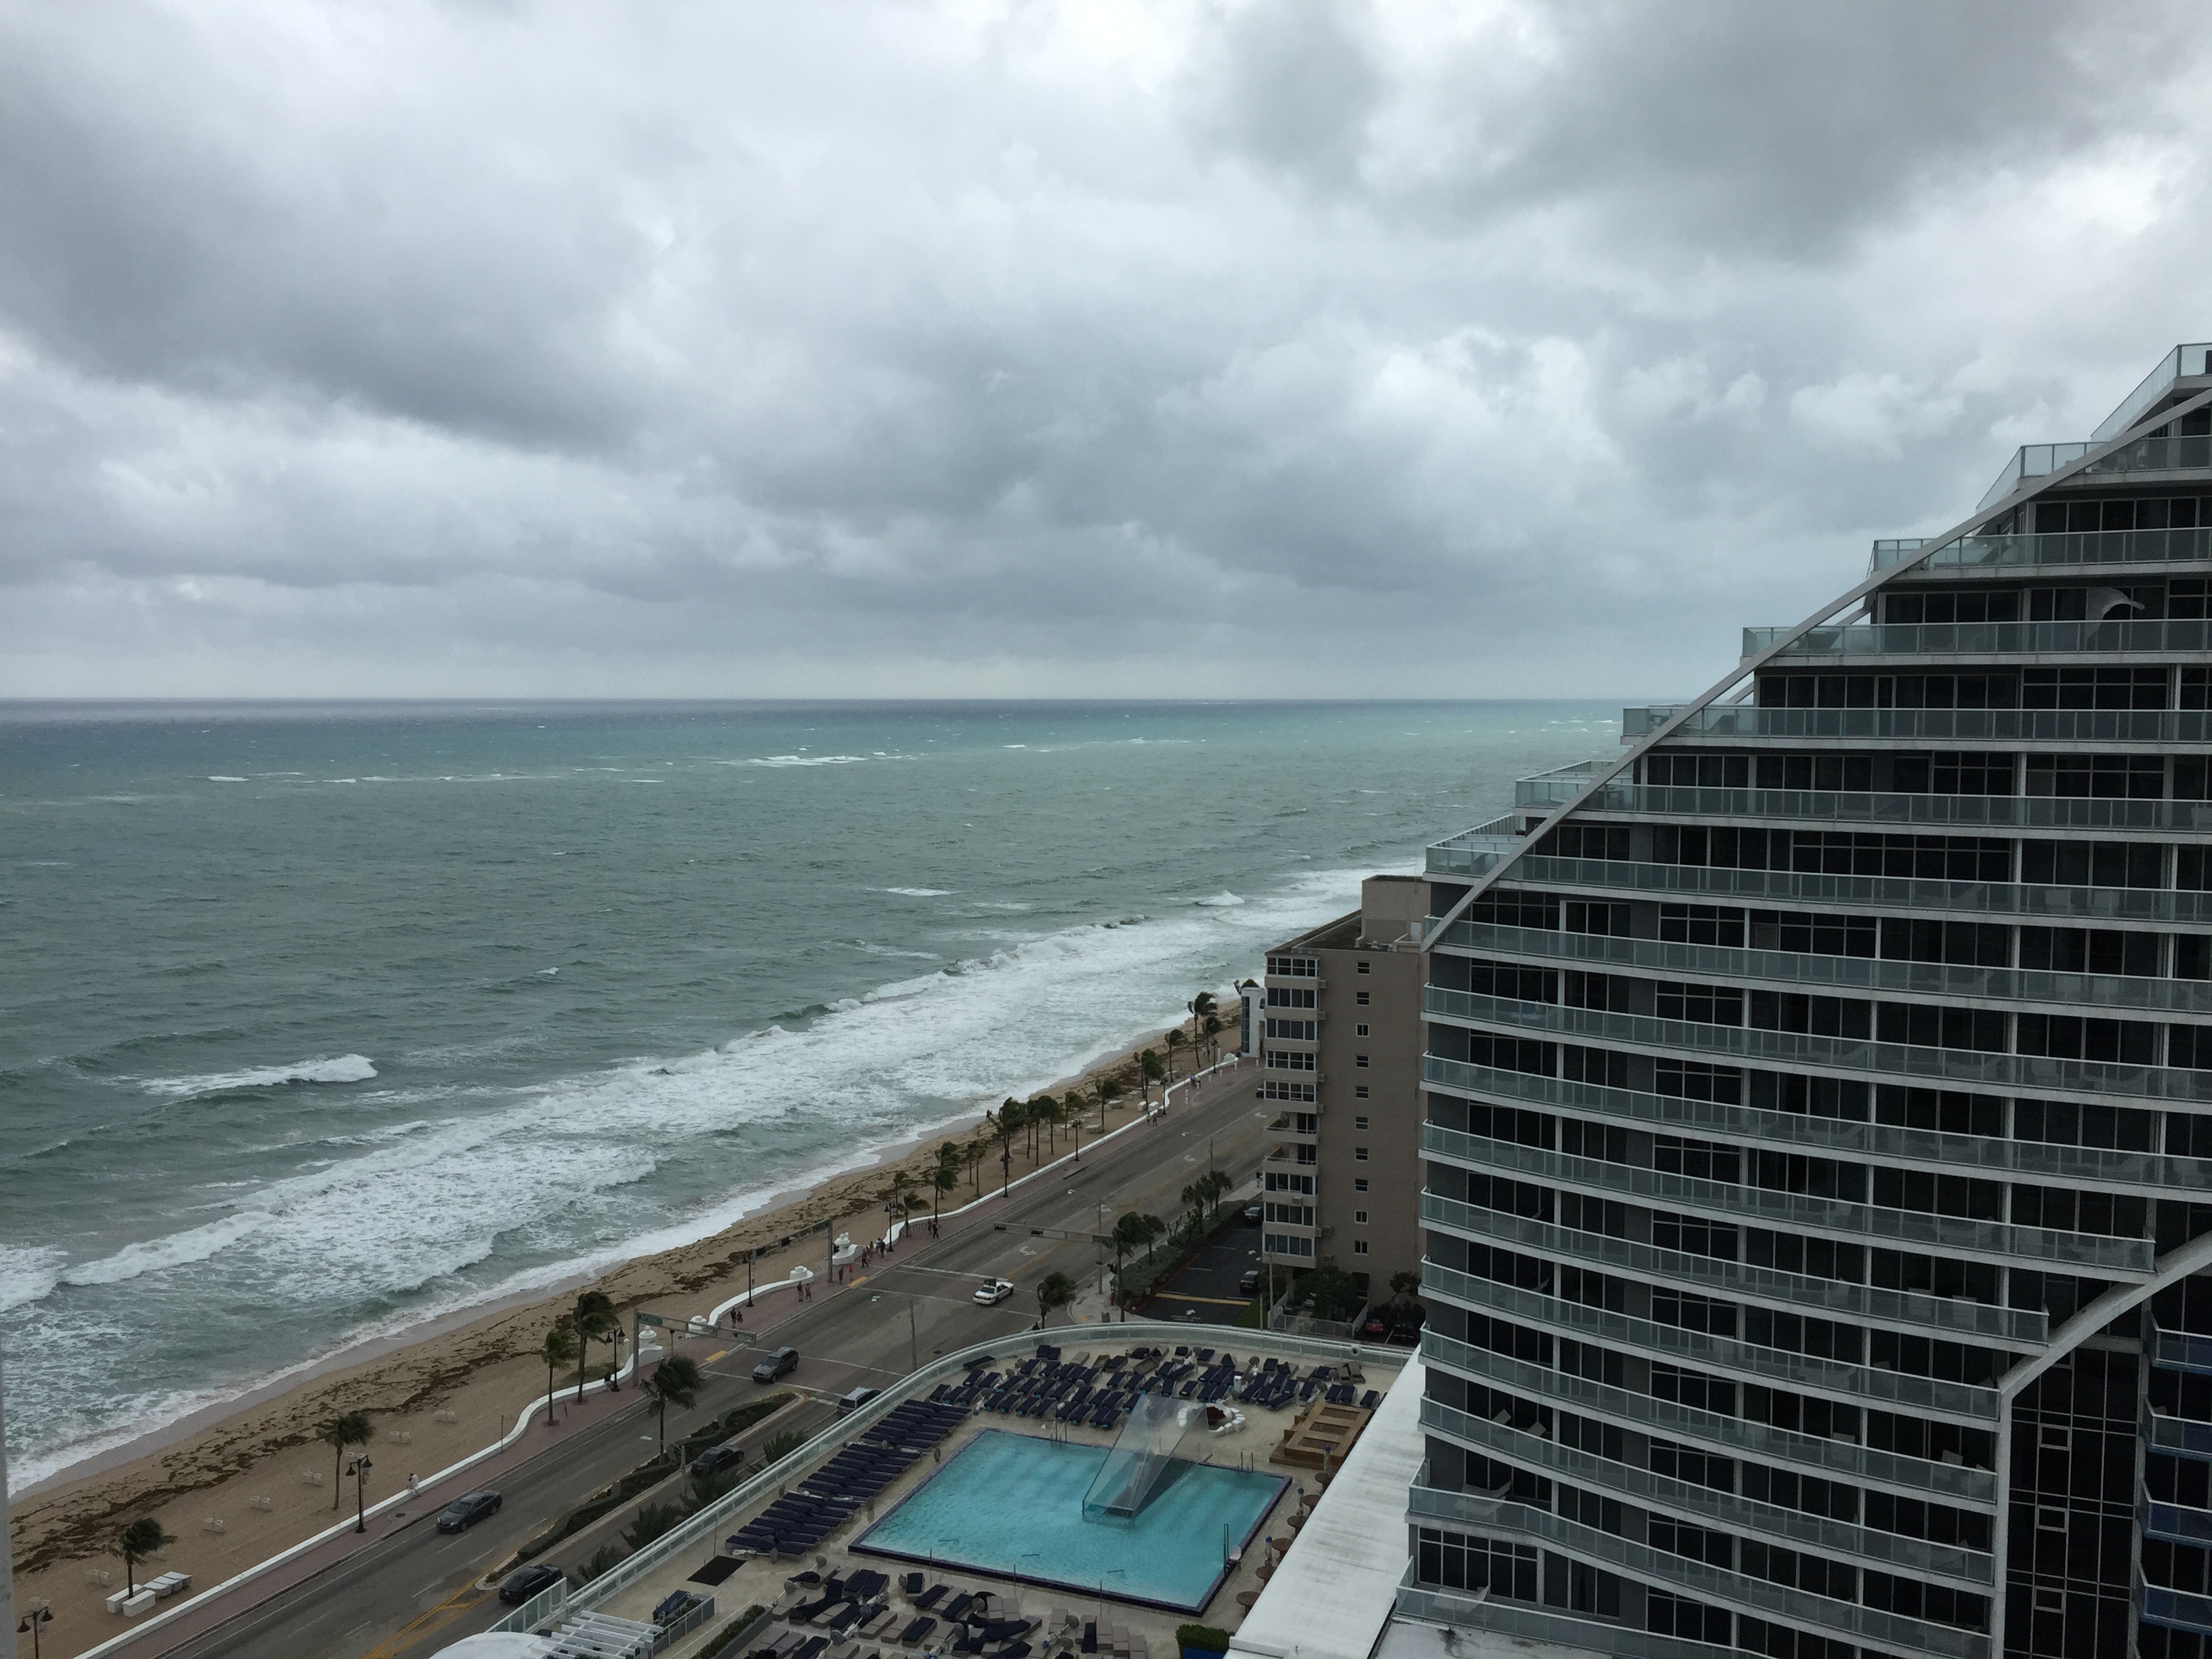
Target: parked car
{"points": [[1249, 1282], [1253, 1212], [524, 1582], [467, 1510], [852, 1399], [1406, 1333], [1377, 1324], [993, 1292], [715, 1459], [781, 1362]]}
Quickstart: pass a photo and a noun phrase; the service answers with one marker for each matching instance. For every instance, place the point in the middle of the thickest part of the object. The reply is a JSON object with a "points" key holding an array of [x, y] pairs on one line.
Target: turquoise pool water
{"points": [[1012, 1506]]}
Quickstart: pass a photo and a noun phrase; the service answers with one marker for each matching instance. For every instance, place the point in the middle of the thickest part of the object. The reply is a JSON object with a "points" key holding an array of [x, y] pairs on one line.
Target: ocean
{"points": [[319, 1021]]}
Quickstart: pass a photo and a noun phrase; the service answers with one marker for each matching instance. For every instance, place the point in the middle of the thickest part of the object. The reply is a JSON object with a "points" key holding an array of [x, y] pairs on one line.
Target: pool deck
{"points": [[1127, 1630]]}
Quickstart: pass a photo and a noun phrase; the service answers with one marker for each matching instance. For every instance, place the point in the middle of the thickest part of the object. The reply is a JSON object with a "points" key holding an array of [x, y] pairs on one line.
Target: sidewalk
{"points": [[197, 1620]]}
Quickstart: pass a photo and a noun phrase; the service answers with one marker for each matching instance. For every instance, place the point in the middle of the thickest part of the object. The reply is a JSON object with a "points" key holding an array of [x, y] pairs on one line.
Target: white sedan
{"points": [[993, 1292]]}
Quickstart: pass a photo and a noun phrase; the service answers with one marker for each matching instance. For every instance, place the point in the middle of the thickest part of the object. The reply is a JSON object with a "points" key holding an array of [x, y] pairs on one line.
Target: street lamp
{"points": [[36, 1614], [913, 1336], [359, 1473]]}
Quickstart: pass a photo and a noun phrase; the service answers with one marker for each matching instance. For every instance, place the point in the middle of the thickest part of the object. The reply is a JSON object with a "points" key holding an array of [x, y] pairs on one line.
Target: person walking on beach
{"points": [[413, 1490]]}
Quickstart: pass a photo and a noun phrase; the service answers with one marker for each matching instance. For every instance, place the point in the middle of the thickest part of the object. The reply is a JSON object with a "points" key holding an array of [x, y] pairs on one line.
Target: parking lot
{"points": [[1207, 1289]]}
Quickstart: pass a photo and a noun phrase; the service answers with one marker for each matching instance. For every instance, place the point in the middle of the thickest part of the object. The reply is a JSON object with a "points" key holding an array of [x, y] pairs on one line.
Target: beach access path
{"points": [[405, 1590]]}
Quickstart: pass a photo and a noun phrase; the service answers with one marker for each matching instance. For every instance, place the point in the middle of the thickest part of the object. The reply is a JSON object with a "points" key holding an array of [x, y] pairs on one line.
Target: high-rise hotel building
{"points": [[1818, 1118]]}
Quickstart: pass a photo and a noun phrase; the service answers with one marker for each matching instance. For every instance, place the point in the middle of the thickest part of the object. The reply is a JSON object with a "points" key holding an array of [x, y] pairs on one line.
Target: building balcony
{"points": [[1476, 1611], [1879, 1143], [1855, 808], [1740, 1591], [1969, 1568], [2180, 1436], [1858, 1385], [2175, 1524], [2058, 992], [2143, 730], [2180, 1351], [2092, 1079], [1980, 901], [2177, 1608], [1916, 643], [1734, 1437], [2093, 547], [1959, 1317], [1992, 1241]]}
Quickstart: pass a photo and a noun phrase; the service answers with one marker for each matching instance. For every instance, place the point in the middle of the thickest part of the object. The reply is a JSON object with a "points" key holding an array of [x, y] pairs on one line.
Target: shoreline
{"points": [[450, 1380]]}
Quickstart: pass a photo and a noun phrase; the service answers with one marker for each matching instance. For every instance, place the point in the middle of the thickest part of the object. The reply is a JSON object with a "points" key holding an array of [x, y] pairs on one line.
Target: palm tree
{"points": [[1129, 1234], [559, 1348], [595, 1321], [1154, 1230], [943, 1179], [1175, 1040], [1109, 1089], [140, 1540], [975, 1156], [1193, 1196], [1214, 1029], [1217, 1186], [1011, 1116], [1053, 1292], [675, 1381], [1202, 1007], [1070, 1110], [348, 1429], [1153, 1070], [895, 1200]]}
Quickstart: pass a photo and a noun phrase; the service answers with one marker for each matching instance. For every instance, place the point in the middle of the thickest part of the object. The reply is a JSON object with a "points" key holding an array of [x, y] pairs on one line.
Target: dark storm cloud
{"points": [[1306, 347]]}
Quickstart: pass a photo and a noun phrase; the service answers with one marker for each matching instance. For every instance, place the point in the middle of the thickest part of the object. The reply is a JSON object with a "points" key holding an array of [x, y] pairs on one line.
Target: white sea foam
{"points": [[920, 892], [217, 777], [27, 1274], [343, 1068], [812, 760], [1222, 901], [549, 1177]]}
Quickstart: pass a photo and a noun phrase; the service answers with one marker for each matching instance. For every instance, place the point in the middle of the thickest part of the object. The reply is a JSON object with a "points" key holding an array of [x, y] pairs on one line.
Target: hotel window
{"points": [[1359, 1184], [1360, 1154], [1359, 1059], [1359, 1217], [1359, 1090], [1360, 997], [1359, 1247], [1359, 1123], [1360, 1030], [1294, 967], [1362, 967]]}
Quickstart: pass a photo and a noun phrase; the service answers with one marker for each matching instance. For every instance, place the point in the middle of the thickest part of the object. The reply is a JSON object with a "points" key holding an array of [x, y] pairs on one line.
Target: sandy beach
{"points": [[243, 1480]]}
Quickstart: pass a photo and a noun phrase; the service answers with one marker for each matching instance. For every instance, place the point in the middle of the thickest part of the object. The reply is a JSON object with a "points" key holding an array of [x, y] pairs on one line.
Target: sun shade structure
{"points": [[1819, 1117]]}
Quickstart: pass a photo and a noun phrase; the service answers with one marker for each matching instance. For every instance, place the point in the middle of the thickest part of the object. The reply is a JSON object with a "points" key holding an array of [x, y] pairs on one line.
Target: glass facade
{"points": [[1817, 1156]]}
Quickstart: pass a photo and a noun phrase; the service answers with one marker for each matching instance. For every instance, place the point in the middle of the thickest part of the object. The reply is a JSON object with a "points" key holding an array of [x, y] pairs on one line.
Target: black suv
{"points": [[781, 1362], [467, 1510]]}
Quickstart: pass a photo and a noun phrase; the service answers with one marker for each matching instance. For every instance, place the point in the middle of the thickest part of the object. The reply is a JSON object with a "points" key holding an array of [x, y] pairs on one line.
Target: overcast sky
{"points": [[1280, 349]]}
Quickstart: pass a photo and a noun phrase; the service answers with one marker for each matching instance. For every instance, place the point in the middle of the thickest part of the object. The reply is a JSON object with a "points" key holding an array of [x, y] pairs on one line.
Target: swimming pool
{"points": [[1012, 1505]]}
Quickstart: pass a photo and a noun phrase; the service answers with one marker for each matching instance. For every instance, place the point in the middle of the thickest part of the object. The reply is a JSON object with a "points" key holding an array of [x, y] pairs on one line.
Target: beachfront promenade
{"points": [[406, 1590]]}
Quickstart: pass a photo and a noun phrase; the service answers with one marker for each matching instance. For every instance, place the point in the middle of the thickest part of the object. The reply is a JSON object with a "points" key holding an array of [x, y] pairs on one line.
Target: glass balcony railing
{"points": [[1996, 1072], [1978, 900], [2080, 547], [1761, 1205], [2190, 358], [2169, 455], [2176, 1523], [2180, 1351], [2161, 638], [1429, 1605], [1744, 1282], [2189, 997], [1972, 813], [2099, 727], [2093, 1166], [1734, 1437], [1736, 1590], [1670, 1344], [2179, 1437], [2178, 1608], [1969, 1568]]}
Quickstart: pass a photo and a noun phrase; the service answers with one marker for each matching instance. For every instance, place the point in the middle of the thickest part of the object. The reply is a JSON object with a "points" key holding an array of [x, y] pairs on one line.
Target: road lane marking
{"points": [[415, 1630]]}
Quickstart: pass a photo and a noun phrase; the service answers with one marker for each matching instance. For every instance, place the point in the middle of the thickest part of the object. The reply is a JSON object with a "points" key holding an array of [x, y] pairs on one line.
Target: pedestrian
{"points": [[413, 1490]]}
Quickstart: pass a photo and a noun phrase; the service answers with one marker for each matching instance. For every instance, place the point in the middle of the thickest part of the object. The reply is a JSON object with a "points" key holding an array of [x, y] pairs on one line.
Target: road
{"points": [[412, 1590]]}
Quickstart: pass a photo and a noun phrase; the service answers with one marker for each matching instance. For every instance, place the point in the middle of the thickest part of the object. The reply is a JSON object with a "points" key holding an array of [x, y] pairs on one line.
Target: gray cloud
{"points": [[1283, 349]]}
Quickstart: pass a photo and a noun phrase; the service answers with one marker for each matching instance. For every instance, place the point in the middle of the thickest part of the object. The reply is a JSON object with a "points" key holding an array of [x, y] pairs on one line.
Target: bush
{"points": [[726, 1639], [604, 1559], [780, 1446], [1204, 1637], [652, 1521]]}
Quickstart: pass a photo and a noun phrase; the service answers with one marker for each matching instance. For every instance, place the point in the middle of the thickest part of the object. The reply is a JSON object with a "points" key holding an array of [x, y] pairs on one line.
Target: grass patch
{"points": [[1254, 1314]]}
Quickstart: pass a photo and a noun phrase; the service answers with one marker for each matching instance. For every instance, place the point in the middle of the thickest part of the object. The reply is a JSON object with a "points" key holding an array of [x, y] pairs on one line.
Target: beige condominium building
{"points": [[1339, 1048]]}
